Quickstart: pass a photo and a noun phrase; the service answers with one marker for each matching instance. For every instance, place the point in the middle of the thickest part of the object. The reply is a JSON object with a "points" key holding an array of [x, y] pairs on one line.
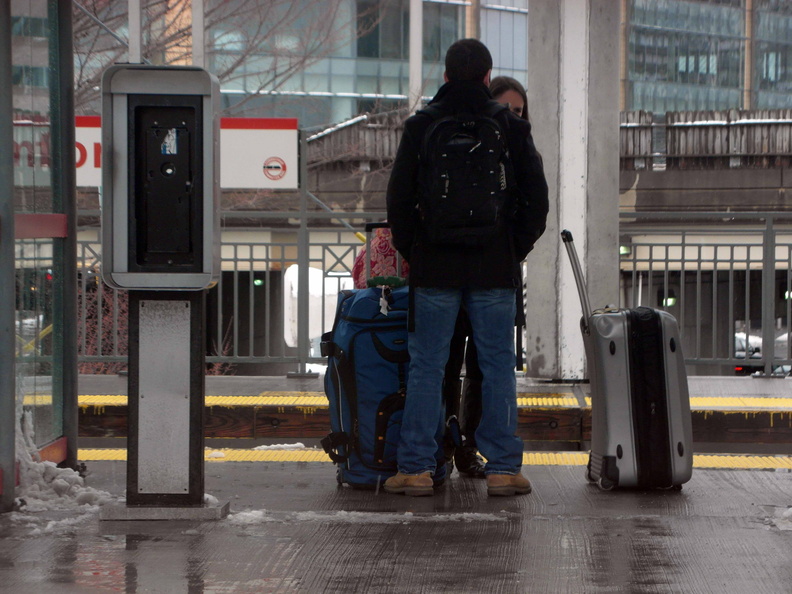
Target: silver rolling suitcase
{"points": [[641, 434]]}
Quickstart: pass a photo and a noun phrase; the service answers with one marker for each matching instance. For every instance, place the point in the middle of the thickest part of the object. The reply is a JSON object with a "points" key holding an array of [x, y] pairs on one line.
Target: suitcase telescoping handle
{"points": [[566, 236]]}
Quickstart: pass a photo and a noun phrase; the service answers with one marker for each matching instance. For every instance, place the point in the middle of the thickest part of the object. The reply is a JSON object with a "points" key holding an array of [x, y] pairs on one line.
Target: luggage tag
{"points": [[383, 301], [386, 285]]}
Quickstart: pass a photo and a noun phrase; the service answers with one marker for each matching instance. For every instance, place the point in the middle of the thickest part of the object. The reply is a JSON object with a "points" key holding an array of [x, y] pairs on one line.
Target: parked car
{"points": [[750, 347], [747, 347]]}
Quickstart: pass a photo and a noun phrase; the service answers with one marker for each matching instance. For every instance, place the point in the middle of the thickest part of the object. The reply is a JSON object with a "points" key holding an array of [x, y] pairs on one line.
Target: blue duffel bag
{"points": [[366, 384]]}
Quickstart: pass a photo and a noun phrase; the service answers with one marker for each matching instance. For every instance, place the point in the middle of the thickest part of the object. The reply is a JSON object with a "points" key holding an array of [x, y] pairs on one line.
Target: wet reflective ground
{"points": [[292, 530]]}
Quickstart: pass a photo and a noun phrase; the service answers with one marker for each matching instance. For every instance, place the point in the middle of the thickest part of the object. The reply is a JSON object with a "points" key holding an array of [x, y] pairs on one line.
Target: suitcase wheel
{"points": [[673, 488], [589, 478], [605, 484]]}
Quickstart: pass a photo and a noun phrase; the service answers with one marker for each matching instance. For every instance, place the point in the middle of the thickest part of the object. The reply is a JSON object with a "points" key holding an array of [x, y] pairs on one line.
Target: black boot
{"points": [[468, 462]]}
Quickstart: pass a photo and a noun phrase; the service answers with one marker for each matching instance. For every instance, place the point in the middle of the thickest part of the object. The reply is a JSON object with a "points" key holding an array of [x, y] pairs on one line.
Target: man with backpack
{"points": [[467, 200]]}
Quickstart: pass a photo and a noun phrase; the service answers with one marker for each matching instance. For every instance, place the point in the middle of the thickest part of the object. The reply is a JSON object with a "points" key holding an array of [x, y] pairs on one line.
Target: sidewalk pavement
{"points": [[292, 529]]}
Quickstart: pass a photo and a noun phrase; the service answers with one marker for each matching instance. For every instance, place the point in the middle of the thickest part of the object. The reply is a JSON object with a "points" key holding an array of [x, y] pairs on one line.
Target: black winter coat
{"points": [[496, 265]]}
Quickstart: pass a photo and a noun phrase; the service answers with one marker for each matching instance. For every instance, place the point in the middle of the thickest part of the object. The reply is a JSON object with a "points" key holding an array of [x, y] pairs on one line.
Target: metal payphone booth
{"points": [[160, 241]]}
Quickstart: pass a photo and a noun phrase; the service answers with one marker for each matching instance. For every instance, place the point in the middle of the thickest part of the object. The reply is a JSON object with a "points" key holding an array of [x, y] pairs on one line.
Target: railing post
{"points": [[303, 277], [768, 296]]}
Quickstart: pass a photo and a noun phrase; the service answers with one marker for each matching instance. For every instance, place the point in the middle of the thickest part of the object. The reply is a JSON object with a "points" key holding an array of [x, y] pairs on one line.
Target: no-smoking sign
{"points": [[274, 168]]}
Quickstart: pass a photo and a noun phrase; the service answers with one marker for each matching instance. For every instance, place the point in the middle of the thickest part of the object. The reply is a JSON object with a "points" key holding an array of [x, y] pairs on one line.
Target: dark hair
{"points": [[468, 59], [500, 84]]}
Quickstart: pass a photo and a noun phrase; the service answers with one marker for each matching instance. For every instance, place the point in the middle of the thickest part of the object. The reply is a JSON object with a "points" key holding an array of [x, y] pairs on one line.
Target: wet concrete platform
{"points": [[292, 529]]}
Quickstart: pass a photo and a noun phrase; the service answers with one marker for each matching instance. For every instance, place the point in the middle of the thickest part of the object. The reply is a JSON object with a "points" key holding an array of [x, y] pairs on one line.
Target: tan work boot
{"points": [[414, 485], [507, 484]]}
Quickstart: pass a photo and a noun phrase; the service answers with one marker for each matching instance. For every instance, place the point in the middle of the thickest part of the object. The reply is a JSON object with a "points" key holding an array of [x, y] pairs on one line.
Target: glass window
{"points": [[773, 55], [442, 27], [774, 67], [33, 194], [685, 54], [342, 83], [30, 76], [342, 66], [384, 29], [394, 33], [24, 26], [368, 29], [506, 35]]}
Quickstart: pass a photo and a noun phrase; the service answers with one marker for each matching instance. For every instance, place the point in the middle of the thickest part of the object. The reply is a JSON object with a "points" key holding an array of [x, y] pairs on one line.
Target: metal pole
{"points": [[768, 297], [749, 56], [135, 32], [8, 420], [303, 260], [198, 34], [416, 55], [358, 234], [64, 201]]}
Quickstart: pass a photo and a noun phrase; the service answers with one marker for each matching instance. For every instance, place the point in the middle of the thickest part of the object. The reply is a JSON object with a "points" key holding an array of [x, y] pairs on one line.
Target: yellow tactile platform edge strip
{"points": [[725, 461], [317, 399]]}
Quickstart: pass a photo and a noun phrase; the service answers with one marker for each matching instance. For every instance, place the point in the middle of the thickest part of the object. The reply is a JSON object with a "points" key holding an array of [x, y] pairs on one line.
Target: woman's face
{"points": [[513, 99]]}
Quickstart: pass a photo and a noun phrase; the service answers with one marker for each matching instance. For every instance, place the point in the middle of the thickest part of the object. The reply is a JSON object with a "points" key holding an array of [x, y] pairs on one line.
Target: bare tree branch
{"points": [[258, 45]]}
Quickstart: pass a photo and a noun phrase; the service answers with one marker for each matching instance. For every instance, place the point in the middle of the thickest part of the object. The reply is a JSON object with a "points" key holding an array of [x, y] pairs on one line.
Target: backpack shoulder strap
{"points": [[493, 110], [437, 116], [432, 111]]}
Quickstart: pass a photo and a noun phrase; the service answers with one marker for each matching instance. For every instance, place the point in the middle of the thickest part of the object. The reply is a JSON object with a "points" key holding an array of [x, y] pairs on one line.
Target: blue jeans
{"points": [[491, 313]]}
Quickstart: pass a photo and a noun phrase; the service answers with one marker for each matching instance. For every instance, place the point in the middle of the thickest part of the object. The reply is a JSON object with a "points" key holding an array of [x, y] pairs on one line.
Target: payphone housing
{"points": [[160, 178]]}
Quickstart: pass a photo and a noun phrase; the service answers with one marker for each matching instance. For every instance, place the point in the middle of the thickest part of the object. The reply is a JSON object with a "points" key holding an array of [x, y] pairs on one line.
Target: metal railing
{"points": [[726, 277], [253, 314]]}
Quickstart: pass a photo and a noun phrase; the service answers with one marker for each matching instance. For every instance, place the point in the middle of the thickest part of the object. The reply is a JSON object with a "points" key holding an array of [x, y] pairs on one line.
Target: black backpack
{"points": [[466, 177]]}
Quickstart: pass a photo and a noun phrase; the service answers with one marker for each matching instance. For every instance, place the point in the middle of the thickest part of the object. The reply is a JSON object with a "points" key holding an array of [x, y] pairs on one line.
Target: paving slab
{"points": [[292, 529]]}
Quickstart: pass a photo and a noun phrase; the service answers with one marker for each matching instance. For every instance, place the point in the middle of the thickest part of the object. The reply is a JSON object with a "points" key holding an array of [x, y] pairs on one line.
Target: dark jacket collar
{"points": [[459, 95]]}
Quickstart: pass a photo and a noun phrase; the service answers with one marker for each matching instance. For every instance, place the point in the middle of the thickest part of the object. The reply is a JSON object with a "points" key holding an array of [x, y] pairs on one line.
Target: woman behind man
{"points": [[508, 90]]}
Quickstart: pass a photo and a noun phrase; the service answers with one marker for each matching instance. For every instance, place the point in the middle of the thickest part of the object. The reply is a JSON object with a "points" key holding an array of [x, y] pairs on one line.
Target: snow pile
{"points": [[252, 517], [38, 525], [42, 485], [60, 526], [281, 446]]}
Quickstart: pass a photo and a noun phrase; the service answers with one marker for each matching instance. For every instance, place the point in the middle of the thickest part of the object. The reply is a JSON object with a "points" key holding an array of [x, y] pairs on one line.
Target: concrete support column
{"points": [[573, 94]]}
